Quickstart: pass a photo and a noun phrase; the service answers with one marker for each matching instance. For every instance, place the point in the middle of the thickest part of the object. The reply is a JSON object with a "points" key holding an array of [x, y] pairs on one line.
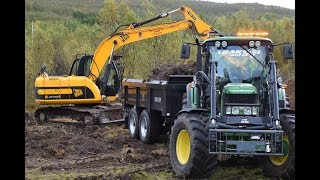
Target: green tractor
{"points": [[235, 105]]}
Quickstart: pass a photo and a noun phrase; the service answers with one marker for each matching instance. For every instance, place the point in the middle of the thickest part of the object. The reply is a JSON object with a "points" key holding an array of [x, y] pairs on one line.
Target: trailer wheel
{"points": [[188, 147], [149, 128], [284, 166], [133, 123]]}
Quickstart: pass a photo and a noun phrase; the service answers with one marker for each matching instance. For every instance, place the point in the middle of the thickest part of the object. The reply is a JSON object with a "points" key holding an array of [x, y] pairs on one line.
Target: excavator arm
{"points": [[135, 33]]}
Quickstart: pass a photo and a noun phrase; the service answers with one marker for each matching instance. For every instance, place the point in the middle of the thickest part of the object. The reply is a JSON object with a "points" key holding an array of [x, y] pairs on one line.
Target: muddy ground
{"points": [[64, 150], [99, 151]]}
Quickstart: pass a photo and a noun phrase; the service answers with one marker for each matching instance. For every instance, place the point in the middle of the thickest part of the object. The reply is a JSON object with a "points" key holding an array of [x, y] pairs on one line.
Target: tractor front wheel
{"points": [[284, 166], [189, 152]]}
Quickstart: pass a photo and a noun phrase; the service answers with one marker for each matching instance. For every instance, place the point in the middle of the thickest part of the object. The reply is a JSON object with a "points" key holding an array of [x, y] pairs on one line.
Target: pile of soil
{"points": [[163, 72]]}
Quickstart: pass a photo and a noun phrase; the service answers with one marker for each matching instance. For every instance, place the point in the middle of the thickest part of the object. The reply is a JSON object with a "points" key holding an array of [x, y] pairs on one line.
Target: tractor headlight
{"points": [[228, 110], [224, 44], [254, 110], [217, 44], [251, 44], [258, 44], [247, 110], [235, 110]]}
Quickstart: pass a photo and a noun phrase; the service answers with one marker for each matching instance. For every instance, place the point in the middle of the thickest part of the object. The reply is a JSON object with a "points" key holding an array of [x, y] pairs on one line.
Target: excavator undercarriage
{"points": [[82, 114]]}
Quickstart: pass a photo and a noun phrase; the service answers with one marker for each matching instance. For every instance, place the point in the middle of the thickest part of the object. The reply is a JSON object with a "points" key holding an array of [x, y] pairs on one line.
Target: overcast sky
{"points": [[283, 3]]}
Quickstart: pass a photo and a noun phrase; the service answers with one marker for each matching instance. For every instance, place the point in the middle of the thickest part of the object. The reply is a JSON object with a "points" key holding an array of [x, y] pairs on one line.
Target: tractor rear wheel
{"points": [[188, 147], [284, 166]]}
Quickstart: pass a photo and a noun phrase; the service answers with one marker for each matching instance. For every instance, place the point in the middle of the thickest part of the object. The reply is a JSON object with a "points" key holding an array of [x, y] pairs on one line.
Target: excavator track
{"points": [[88, 115]]}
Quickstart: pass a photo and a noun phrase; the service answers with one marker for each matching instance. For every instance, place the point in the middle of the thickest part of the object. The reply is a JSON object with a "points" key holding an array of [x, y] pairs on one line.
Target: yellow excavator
{"points": [[83, 96]]}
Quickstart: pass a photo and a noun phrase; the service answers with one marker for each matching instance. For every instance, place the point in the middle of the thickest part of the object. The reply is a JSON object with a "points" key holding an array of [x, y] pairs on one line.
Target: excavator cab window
{"points": [[81, 66], [74, 68], [111, 77], [84, 65], [110, 84]]}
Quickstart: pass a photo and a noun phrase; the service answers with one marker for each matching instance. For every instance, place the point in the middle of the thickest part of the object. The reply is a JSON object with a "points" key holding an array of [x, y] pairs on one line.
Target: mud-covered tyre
{"points": [[188, 147], [149, 129], [133, 123], [284, 166], [184, 101]]}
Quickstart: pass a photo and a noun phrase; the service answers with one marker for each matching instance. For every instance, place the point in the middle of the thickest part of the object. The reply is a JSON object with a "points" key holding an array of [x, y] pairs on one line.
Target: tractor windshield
{"points": [[239, 63]]}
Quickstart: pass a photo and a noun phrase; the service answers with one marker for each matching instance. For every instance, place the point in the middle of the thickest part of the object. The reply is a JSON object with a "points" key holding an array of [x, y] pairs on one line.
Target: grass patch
{"points": [[37, 173], [237, 173], [162, 175]]}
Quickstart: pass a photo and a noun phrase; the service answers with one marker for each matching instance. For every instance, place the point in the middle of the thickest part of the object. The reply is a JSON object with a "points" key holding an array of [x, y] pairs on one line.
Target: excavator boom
{"points": [[136, 33]]}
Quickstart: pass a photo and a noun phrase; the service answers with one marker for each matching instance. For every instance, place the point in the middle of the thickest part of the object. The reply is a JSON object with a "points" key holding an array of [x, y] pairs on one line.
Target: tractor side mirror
{"points": [[185, 51], [288, 51]]}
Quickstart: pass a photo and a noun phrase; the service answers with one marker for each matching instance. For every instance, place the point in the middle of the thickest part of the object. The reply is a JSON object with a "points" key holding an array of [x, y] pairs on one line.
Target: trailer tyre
{"points": [[133, 123], [284, 166], [149, 128], [188, 147]]}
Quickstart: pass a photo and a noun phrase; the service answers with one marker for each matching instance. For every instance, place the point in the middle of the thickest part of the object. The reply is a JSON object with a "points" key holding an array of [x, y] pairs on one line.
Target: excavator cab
{"points": [[109, 84]]}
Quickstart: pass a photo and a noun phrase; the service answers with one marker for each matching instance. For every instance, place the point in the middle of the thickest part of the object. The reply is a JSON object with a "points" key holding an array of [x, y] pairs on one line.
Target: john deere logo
{"points": [[77, 92]]}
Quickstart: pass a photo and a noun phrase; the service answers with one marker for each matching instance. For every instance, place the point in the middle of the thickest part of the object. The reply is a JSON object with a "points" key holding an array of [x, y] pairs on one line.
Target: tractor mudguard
{"points": [[191, 110]]}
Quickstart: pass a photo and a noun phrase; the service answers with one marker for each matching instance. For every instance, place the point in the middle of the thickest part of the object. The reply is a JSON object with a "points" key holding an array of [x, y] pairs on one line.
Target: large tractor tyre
{"points": [[284, 166], [188, 147], [149, 127], [133, 123], [184, 101]]}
